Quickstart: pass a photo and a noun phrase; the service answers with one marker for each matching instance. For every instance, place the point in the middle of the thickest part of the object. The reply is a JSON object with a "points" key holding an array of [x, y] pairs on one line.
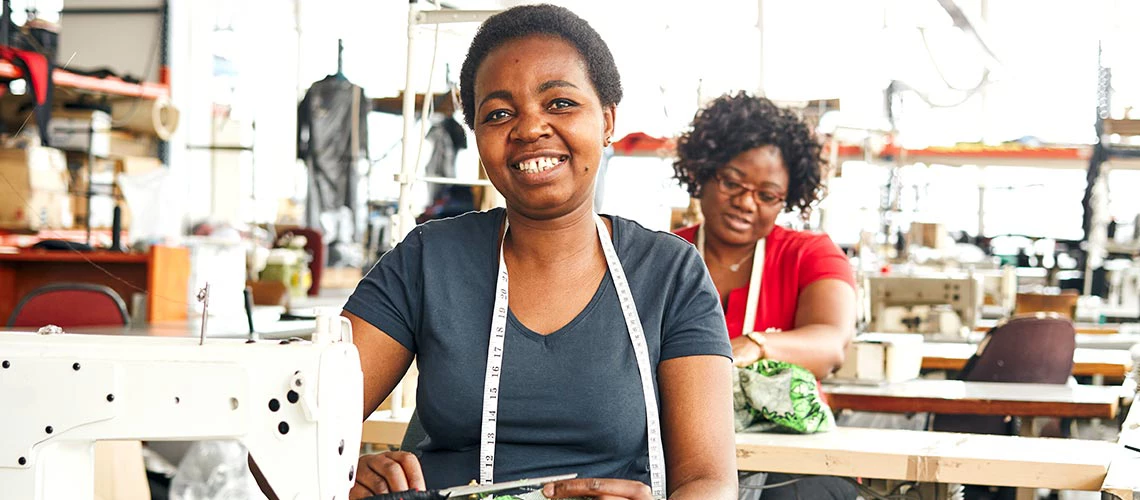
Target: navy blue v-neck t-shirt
{"points": [[570, 401]]}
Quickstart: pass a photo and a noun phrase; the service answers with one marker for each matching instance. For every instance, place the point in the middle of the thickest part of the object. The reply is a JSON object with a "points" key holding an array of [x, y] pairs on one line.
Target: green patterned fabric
{"points": [[778, 396]]}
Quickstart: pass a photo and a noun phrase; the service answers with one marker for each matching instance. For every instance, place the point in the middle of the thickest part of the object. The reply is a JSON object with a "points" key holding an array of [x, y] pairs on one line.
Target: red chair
{"points": [[70, 305]]}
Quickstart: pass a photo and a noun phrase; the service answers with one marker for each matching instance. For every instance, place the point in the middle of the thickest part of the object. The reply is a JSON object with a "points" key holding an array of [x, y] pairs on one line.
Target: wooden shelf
{"points": [[111, 86], [1122, 126], [441, 103], [99, 257]]}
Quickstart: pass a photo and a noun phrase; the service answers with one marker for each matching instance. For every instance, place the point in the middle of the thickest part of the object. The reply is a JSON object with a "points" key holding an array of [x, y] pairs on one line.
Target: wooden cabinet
{"points": [[163, 273]]}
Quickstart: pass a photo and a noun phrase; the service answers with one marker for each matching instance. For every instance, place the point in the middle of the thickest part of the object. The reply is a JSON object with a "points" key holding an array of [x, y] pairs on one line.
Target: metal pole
{"points": [[760, 60], [404, 220], [5, 22], [90, 176]]}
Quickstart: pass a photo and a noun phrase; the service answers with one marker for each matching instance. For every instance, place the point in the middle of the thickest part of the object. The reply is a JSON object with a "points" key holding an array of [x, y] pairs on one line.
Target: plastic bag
{"points": [[214, 470]]}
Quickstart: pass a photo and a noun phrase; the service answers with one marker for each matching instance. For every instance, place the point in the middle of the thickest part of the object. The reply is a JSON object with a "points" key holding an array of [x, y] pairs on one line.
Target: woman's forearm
{"points": [[819, 348], [710, 488]]}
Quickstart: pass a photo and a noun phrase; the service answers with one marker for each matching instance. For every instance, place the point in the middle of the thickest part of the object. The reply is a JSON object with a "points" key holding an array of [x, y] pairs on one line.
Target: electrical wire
{"points": [[863, 489], [425, 114], [930, 102], [773, 485], [938, 68]]}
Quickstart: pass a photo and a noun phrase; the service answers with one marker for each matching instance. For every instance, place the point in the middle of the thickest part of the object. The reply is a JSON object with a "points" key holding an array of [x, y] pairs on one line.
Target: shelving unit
{"points": [[405, 219], [110, 86], [1066, 157]]}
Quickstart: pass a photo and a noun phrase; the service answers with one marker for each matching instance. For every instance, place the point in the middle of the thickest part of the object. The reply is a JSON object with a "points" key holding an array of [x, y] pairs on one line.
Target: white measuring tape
{"points": [[640, 349]]}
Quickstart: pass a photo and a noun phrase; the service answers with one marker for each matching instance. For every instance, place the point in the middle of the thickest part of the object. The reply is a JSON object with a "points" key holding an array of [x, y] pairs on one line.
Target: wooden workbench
{"points": [[977, 398], [163, 273], [1085, 328], [1111, 364], [1123, 479], [1063, 464]]}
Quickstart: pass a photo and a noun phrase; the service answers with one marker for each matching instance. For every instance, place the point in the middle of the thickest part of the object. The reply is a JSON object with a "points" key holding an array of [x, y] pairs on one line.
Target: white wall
{"points": [[125, 43]]}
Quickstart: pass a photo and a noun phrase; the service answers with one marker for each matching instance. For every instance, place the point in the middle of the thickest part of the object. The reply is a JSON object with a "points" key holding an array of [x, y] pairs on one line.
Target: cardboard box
{"points": [[132, 165], [926, 234], [73, 130], [33, 195], [125, 144], [883, 357]]}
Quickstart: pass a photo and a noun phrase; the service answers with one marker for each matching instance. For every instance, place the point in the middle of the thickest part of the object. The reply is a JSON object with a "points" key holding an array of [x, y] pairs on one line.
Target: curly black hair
{"points": [[544, 19], [733, 124]]}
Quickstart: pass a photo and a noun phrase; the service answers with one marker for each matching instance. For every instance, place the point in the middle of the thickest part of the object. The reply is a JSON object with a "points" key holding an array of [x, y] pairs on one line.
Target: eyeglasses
{"points": [[733, 189]]}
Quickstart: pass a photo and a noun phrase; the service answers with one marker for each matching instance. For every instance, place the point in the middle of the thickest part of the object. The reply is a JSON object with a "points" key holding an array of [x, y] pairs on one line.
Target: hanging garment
{"points": [[447, 137], [332, 134]]}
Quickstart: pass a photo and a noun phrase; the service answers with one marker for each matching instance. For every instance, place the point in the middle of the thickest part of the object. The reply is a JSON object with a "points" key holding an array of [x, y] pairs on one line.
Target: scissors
{"points": [[462, 492]]}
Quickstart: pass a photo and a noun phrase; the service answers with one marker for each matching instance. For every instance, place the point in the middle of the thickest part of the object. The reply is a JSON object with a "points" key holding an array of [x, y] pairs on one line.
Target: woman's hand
{"points": [[387, 472], [601, 489], [745, 351]]}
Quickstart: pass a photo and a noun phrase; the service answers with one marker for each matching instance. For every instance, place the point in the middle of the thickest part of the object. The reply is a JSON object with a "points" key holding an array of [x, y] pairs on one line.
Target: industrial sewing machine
{"points": [[925, 304], [1124, 288], [296, 405]]}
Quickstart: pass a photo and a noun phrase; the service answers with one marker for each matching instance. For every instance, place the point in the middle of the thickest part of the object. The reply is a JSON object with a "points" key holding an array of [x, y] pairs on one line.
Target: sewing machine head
{"points": [[916, 304], [296, 405]]}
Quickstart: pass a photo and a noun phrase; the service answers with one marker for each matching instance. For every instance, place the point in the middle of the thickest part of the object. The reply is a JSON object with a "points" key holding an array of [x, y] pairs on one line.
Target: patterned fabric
{"points": [[778, 396]]}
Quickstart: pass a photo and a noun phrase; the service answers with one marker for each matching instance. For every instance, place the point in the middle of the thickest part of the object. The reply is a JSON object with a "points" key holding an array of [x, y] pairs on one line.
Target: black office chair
{"points": [[1030, 349]]}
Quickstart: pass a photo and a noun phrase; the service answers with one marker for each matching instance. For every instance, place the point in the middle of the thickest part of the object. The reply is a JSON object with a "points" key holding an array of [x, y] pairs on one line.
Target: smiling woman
{"points": [[746, 160], [549, 340]]}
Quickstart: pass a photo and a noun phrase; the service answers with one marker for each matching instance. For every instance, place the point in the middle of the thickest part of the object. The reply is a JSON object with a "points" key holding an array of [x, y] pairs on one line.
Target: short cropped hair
{"points": [[526, 20], [733, 124]]}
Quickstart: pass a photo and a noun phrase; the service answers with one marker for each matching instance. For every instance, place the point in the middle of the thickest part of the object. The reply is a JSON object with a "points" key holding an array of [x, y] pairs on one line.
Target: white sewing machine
{"points": [[924, 304], [296, 405]]}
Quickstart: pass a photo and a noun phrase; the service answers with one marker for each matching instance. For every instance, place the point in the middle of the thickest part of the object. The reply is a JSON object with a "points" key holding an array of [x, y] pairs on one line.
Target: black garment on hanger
{"points": [[447, 137], [324, 142]]}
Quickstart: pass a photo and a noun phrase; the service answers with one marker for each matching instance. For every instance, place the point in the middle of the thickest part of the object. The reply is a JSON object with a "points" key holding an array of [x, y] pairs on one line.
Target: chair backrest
{"points": [[70, 305], [1032, 349]]}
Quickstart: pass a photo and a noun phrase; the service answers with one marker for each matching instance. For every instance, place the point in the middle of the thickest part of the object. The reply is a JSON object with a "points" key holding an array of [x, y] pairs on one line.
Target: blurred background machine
{"points": [[919, 304]]}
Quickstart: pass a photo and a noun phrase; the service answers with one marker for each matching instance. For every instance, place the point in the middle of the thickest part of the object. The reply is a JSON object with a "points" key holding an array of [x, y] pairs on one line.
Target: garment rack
{"points": [[404, 218]]}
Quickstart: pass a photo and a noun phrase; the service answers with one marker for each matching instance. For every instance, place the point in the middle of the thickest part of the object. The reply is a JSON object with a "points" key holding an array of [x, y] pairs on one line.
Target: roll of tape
{"points": [[157, 117]]}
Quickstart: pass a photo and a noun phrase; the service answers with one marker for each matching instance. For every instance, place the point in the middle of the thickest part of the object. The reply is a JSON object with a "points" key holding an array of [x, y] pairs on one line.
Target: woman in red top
{"points": [[747, 160]]}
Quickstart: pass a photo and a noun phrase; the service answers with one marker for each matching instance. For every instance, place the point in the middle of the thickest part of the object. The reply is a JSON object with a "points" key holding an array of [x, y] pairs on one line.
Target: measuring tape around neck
{"points": [[640, 349], [753, 280]]}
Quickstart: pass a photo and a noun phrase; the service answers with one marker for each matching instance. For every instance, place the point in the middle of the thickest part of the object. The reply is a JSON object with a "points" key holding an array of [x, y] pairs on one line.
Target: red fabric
{"points": [[37, 69], [792, 261]]}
